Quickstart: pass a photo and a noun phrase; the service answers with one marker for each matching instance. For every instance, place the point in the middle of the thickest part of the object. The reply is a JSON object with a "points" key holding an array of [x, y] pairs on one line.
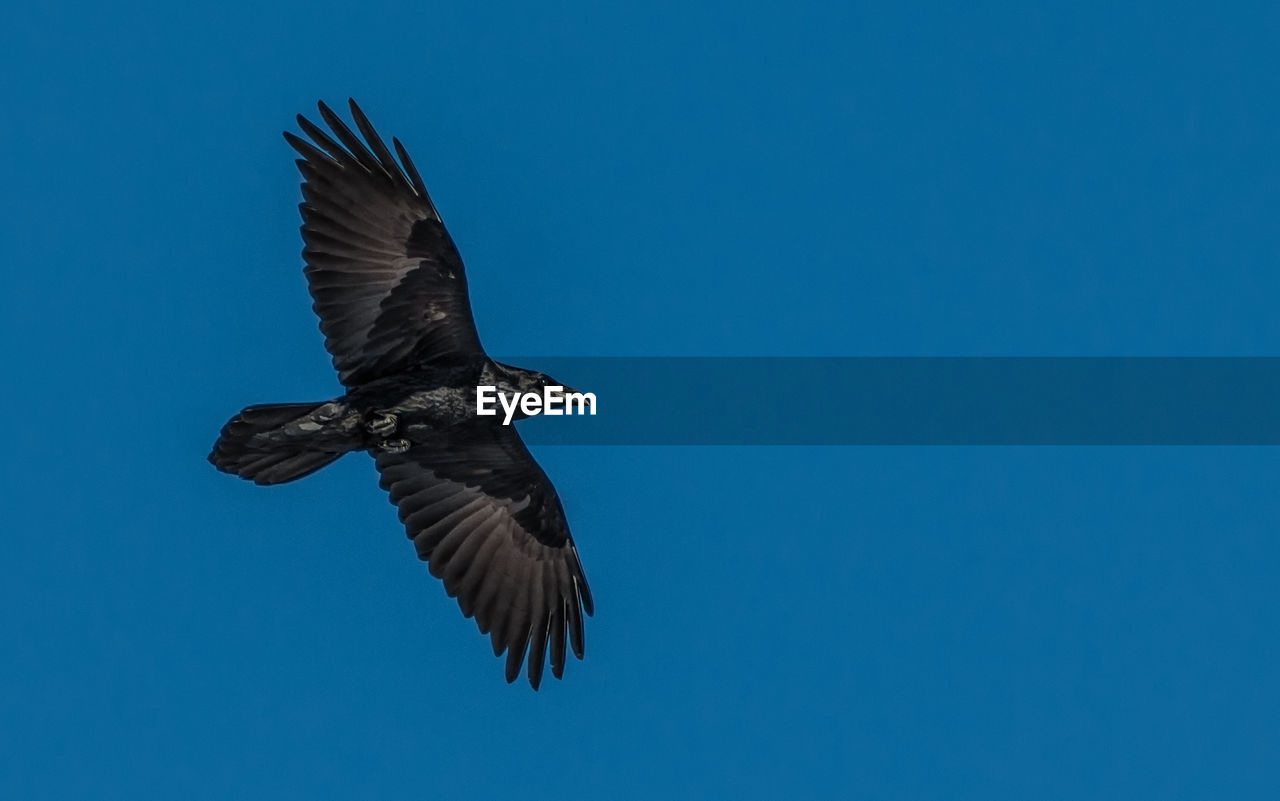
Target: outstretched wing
{"points": [[487, 521], [386, 279]]}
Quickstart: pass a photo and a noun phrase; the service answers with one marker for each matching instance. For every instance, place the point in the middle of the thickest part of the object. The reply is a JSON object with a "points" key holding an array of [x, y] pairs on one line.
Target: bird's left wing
{"points": [[385, 277], [488, 522]]}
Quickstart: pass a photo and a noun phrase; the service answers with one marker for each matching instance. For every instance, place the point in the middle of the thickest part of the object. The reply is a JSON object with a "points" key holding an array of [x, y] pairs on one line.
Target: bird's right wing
{"points": [[387, 281], [487, 521]]}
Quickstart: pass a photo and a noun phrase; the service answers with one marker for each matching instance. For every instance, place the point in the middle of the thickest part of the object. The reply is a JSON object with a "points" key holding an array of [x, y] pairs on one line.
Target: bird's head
{"points": [[531, 380], [510, 379]]}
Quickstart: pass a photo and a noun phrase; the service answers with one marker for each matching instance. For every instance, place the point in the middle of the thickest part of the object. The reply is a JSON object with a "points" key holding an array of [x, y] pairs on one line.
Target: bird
{"points": [[388, 285]]}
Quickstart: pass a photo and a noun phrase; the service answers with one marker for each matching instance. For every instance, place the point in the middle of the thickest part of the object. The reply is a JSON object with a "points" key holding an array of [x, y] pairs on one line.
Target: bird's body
{"points": [[390, 291]]}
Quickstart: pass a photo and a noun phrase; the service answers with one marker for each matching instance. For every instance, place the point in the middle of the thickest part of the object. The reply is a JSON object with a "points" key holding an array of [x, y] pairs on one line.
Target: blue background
{"points": [[728, 179]]}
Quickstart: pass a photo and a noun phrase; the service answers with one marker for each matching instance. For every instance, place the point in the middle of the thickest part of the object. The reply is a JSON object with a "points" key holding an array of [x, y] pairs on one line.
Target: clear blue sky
{"points": [[737, 179]]}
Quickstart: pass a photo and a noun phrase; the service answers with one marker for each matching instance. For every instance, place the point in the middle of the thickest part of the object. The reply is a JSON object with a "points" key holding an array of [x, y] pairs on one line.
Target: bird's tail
{"points": [[255, 444]]}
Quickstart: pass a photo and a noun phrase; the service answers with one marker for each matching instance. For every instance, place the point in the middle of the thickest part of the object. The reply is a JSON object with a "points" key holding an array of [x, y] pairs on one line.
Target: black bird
{"points": [[389, 288]]}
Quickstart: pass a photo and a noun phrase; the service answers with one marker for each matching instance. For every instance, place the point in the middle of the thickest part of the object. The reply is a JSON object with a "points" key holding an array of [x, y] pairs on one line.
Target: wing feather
{"points": [[488, 522], [386, 279], [540, 621]]}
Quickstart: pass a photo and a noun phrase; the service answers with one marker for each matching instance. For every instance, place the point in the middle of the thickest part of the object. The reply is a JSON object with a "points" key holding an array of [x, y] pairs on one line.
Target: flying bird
{"points": [[390, 291]]}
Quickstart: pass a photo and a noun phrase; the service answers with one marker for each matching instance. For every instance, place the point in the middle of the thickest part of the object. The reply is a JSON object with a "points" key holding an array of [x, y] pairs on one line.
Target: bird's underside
{"points": [[389, 288]]}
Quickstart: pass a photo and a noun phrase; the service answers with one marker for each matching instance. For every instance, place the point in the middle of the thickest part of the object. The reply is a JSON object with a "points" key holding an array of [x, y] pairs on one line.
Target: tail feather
{"points": [[243, 449]]}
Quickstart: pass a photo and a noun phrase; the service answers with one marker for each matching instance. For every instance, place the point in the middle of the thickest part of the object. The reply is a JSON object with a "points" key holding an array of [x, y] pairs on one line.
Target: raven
{"points": [[389, 289]]}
